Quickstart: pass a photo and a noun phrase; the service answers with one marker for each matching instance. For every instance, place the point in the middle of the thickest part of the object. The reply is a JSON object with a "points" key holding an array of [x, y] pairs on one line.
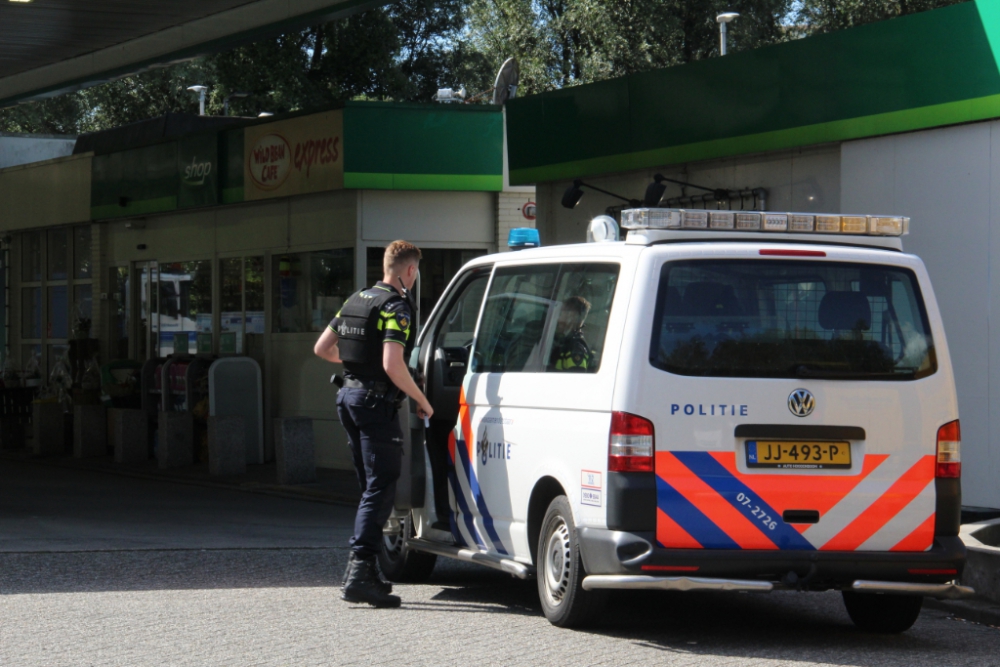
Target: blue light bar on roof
{"points": [[523, 237]]}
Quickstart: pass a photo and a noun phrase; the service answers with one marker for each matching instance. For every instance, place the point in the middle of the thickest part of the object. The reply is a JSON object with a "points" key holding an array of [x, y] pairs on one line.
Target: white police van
{"points": [[762, 401]]}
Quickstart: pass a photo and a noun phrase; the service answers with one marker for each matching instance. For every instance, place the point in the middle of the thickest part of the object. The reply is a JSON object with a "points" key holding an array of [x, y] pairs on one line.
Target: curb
{"points": [[975, 610], [309, 495]]}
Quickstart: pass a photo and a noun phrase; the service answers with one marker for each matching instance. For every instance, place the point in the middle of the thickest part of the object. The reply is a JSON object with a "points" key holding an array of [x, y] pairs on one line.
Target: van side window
{"points": [[460, 321], [548, 318], [514, 320], [583, 299]]}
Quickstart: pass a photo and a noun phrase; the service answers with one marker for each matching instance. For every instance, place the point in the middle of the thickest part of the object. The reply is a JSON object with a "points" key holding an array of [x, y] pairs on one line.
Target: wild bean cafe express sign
{"points": [[294, 156]]}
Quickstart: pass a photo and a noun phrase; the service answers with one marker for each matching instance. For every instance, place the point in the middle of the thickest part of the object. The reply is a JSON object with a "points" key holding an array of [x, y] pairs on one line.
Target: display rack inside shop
{"points": [[175, 382]]}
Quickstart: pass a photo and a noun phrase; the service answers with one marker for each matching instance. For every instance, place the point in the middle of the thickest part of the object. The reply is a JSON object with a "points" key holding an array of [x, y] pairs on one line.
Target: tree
{"points": [[817, 16], [408, 49], [401, 52], [565, 42]]}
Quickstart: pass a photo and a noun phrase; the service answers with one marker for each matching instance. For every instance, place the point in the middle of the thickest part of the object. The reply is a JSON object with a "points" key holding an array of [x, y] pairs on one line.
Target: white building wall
{"points": [[432, 219], [944, 179]]}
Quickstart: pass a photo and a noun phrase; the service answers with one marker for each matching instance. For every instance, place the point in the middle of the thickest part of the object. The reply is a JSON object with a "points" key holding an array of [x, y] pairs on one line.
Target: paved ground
{"points": [[151, 596], [44, 508]]}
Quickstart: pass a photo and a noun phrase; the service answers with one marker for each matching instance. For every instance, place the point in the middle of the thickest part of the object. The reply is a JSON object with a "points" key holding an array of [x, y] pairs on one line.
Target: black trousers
{"points": [[377, 447]]}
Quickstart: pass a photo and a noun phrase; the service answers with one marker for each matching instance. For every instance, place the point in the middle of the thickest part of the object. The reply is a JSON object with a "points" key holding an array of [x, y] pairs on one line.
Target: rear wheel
{"points": [[560, 571], [400, 564], [884, 613]]}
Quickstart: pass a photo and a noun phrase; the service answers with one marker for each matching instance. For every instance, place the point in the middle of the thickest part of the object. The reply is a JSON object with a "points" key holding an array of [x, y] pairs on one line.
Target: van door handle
{"points": [[456, 364]]}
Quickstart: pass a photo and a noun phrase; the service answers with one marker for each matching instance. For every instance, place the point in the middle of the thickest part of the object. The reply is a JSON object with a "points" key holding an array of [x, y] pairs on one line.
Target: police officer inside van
{"points": [[570, 351], [372, 336]]}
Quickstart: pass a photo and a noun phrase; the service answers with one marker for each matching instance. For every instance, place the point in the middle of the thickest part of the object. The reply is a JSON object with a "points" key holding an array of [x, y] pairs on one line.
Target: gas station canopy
{"points": [[50, 47]]}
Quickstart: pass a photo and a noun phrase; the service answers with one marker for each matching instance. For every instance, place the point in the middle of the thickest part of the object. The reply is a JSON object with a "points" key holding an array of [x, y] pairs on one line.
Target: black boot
{"points": [[352, 562], [363, 585]]}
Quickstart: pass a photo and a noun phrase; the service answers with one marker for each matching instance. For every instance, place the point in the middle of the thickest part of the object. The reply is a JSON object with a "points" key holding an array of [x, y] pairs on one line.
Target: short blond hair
{"points": [[398, 254]]}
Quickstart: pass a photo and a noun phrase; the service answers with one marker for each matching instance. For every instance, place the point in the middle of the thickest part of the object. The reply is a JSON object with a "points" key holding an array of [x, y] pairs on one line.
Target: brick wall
{"points": [[510, 206]]}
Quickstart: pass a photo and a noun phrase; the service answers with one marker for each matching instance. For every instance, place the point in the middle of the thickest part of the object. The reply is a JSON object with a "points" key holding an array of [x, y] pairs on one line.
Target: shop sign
{"points": [[294, 156], [198, 170]]}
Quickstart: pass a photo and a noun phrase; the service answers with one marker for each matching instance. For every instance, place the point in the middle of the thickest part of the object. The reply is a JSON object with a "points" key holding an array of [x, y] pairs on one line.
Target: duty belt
{"points": [[376, 386]]}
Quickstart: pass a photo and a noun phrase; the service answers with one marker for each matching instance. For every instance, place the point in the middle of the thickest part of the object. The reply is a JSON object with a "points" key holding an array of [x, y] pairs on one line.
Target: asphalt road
{"points": [[91, 598]]}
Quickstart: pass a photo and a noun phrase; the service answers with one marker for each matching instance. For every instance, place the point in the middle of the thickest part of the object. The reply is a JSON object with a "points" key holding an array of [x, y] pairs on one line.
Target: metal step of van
{"points": [[508, 565]]}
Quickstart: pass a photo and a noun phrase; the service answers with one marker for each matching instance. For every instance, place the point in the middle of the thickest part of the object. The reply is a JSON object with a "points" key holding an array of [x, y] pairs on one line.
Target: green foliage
{"points": [[408, 49], [565, 42], [816, 16]]}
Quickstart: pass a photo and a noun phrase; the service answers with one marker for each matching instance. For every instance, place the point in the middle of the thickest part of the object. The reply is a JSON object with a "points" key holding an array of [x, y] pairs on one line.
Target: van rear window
{"points": [[791, 319]]}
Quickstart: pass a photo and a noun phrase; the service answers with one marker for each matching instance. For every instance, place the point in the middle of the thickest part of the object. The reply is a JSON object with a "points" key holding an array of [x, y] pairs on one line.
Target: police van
{"points": [[725, 400]]}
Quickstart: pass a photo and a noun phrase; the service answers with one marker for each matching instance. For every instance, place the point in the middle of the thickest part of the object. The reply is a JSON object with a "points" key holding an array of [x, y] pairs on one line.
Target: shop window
{"points": [[81, 253], [58, 321], [56, 352], [84, 302], [58, 254], [31, 312], [184, 304], [310, 288], [242, 301], [31, 257], [118, 315], [31, 361]]}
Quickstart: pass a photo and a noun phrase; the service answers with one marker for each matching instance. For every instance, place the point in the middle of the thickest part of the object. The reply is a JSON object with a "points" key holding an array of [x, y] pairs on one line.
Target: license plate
{"points": [[798, 455]]}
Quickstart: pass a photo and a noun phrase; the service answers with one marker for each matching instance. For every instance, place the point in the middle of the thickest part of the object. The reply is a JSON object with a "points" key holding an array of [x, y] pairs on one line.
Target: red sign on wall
{"points": [[528, 210]]}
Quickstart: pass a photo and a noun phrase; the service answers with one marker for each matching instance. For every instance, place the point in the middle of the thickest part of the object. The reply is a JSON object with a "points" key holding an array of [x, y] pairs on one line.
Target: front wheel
{"points": [[400, 564], [884, 613], [560, 571]]}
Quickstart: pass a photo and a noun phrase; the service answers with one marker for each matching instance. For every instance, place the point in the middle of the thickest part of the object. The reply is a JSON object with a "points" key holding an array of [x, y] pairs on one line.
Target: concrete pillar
{"points": [[90, 431], [130, 435], [226, 447], [49, 428], [295, 450], [175, 447]]}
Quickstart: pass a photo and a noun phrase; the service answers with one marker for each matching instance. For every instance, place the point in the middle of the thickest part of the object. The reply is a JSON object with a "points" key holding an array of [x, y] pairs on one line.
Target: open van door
{"points": [[441, 355]]}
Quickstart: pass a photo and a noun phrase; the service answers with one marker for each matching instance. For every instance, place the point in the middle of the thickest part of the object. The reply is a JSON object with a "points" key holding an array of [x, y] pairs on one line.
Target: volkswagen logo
{"points": [[801, 402]]}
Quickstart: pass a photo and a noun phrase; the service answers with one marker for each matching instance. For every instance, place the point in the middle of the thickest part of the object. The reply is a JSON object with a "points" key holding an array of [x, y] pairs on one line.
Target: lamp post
{"points": [[722, 20], [201, 97]]}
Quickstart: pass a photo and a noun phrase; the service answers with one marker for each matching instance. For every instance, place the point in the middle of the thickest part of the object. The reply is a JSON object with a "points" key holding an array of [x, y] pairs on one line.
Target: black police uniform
{"points": [[366, 404]]}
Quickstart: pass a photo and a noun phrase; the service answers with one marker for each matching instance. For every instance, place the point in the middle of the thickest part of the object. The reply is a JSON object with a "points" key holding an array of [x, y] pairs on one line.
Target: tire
{"points": [[401, 565], [560, 571], [883, 613]]}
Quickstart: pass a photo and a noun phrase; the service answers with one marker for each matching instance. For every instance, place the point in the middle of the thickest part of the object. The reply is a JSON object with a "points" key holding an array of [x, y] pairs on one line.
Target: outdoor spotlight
{"points": [[572, 195], [654, 191]]}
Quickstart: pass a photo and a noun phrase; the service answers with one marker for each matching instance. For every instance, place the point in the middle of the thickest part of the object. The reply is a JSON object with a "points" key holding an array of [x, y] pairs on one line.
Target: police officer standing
{"points": [[372, 336]]}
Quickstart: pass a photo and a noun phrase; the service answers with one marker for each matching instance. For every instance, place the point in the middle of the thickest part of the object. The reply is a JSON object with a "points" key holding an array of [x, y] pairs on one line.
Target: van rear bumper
{"points": [[620, 552]]}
